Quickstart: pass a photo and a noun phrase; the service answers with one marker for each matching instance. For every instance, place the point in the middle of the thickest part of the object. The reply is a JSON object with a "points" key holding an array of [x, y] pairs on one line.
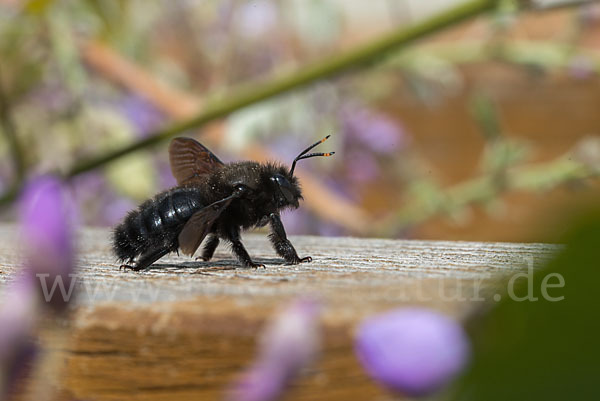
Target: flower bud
{"points": [[288, 345], [413, 351], [47, 237]]}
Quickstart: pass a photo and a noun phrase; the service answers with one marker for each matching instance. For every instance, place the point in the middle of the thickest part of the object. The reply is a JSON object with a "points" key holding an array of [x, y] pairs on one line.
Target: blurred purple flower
{"points": [[98, 199], [296, 221], [581, 67], [144, 117], [47, 233], [285, 147], [88, 191], [88, 185], [165, 175], [115, 210], [362, 167], [413, 351], [52, 98], [17, 320], [372, 129], [256, 18], [288, 345], [301, 221], [225, 10], [589, 14], [329, 230]]}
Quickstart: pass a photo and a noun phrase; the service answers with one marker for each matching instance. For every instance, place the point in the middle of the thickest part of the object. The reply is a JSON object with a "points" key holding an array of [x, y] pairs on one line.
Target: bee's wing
{"points": [[190, 160], [199, 225]]}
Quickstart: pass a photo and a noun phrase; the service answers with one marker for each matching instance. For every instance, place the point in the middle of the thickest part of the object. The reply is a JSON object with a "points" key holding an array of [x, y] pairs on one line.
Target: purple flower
{"points": [[589, 14], [329, 230], [165, 176], [17, 320], [116, 209], [47, 234], [286, 147], [413, 351], [102, 205], [144, 117], [88, 191], [581, 67], [296, 221], [372, 129], [256, 18], [288, 345], [362, 167]]}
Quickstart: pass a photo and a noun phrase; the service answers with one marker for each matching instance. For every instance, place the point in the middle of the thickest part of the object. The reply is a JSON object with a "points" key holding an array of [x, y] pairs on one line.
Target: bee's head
{"points": [[285, 185], [287, 191]]}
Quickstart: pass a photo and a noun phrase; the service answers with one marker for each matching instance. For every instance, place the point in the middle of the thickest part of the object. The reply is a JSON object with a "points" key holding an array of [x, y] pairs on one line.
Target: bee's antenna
{"points": [[303, 154]]}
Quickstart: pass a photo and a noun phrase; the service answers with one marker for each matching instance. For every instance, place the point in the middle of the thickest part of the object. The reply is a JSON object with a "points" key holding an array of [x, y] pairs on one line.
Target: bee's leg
{"points": [[210, 247], [238, 249], [282, 245], [146, 259]]}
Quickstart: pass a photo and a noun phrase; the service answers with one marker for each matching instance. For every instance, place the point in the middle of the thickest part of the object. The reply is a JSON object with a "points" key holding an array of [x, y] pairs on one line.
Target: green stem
{"points": [[10, 132], [533, 178], [248, 95]]}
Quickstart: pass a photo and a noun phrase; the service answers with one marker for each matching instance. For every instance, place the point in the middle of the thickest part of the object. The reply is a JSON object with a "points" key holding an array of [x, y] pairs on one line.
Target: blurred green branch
{"points": [[362, 56], [555, 4], [254, 93], [484, 112], [543, 54], [500, 174], [581, 163], [8, 127]]}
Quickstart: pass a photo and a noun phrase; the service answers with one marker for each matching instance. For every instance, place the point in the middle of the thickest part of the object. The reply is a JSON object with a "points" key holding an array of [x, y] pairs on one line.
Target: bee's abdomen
{"points": [[156, 223]]}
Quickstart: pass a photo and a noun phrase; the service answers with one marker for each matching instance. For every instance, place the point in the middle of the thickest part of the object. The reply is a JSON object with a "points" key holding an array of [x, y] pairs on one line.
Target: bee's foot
{"points": [[128, 267], [256, 265], [297, 260]]}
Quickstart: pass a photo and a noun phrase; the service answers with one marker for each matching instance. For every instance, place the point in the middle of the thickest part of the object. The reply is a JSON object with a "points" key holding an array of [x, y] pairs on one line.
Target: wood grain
{"points": [[184, 329]]}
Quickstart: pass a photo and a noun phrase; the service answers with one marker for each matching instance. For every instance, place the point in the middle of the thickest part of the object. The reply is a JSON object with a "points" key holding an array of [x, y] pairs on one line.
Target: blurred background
{"points": [[485, 131]]}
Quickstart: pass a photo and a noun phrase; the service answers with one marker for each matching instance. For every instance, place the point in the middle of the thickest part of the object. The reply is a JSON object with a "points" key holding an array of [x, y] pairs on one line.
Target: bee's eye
{"points": [[284, 187], [240, 188]]}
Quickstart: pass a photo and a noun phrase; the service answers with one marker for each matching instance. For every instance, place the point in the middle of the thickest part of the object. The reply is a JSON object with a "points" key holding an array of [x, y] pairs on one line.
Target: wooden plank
{"points": [[183, 329]]}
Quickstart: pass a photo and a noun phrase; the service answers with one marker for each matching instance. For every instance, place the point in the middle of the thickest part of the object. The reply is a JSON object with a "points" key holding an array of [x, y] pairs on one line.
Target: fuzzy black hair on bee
{"points": [[213, 201]]}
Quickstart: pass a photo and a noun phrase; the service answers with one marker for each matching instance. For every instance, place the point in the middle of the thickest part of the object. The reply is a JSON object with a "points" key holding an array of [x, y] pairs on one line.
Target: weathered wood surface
{"points": [[183, 329]]}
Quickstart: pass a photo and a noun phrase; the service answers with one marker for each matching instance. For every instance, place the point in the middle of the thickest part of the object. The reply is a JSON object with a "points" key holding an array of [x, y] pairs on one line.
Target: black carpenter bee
{"points": [[213, 200]]}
